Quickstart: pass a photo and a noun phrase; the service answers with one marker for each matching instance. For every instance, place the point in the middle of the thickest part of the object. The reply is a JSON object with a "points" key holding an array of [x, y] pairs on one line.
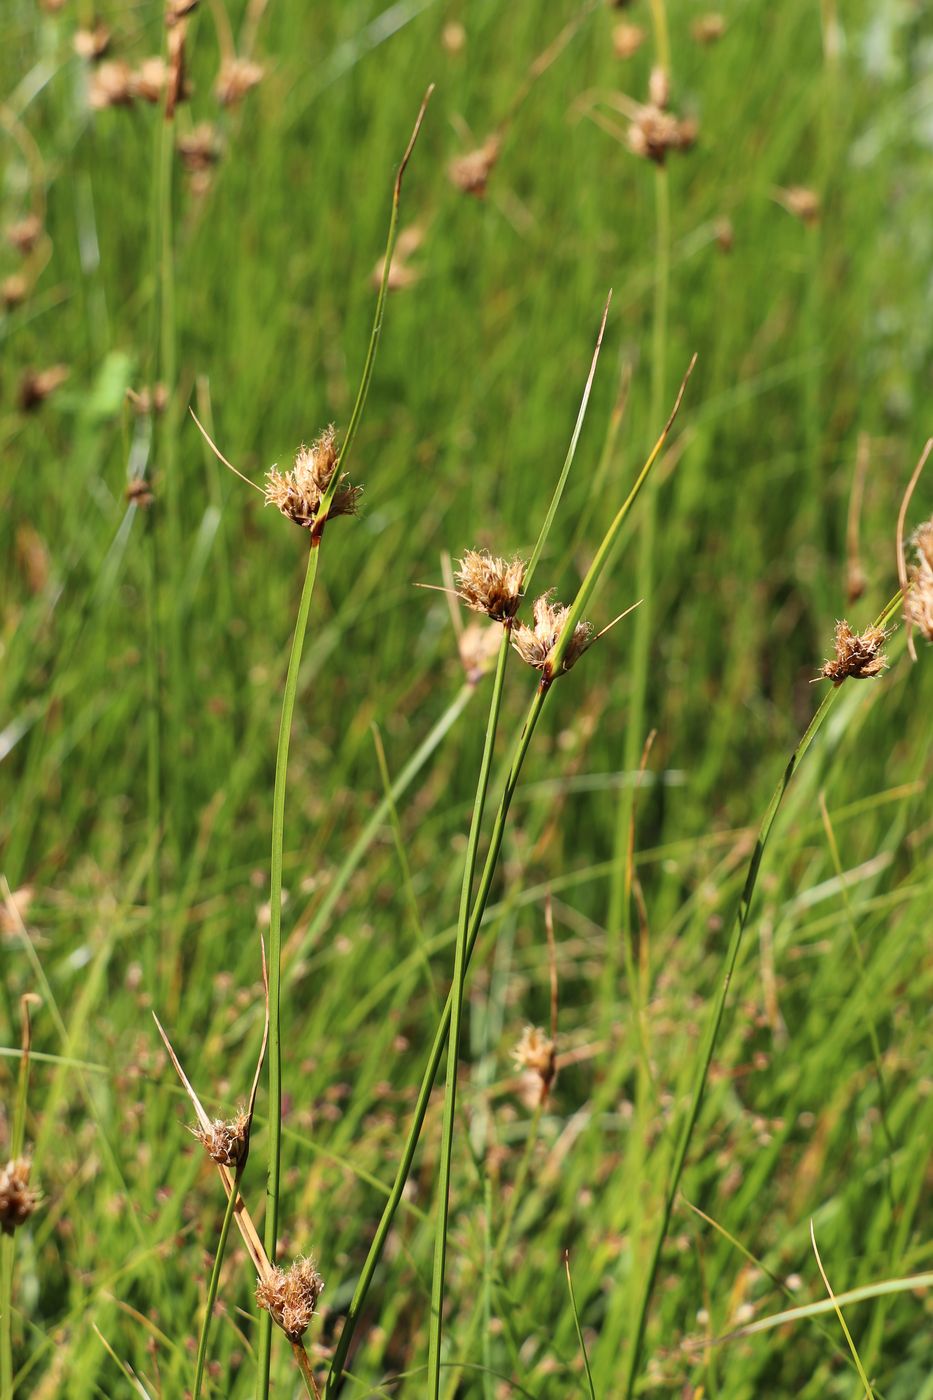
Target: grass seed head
{"points": [[471, 172], [291, 1296], [478, 647], [858, 655], [236, 78], [535, 644], [17, 1198], [225, 1141], [490, 585], [298, 493], [918, 601], [139, 493]]}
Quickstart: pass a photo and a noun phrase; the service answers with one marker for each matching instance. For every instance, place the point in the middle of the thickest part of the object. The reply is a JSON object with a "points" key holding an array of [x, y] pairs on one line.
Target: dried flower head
{"points": [[92, 43], [627, 39], [149, 80], [471, 172], [535, 644], [708, 29], [291, 1296], [918, 601], [236, 78], [298, 493], [17, 1199], [13, 290], [478, 646], [200, 148], [111, 85], [25, 233], [858, 655], [654, 132], [145, 401], [489, 585], [139, 493], [804, 204], [453, 37], [535, 1054], [725, 234], [400, 274], [225, 1141], [36, 385]]}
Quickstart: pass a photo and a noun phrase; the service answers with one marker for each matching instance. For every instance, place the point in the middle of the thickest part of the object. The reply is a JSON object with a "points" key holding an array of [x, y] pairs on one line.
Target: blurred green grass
{"points": [[808, 337]]}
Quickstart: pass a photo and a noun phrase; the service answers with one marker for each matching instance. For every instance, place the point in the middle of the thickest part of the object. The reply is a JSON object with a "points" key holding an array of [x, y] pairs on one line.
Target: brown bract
{"points": [[535, 644], [139, 493], [858, 655], [236, 78], [291, 1296], [17, 1199], [298, 493], [471, 172], [918, 601], [225, 1141], [490, 585]]}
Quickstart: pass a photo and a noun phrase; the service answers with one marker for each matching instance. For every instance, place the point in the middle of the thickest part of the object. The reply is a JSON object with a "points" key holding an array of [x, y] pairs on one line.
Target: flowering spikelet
{"points": [[298, 493], [17, 1199], [111, 85], [918, 601], [13, 290], [490, 585], [708, 29], [149, 79], [655, 131], [478, 646], [803, 203], [236, 78], [36, 385], [857, 654], [535, 1054], [92, 43], [627, 39], [471, 172], [25, 233], [535, 644], [225, 1142], [200, 148], [291, 1295]]}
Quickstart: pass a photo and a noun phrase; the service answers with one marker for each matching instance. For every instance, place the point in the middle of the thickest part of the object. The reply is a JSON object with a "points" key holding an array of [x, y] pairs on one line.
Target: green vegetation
{"points": [[144, 645]]}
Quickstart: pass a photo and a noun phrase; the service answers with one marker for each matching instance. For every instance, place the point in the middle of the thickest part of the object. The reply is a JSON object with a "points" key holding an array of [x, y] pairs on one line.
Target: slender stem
{"points": [[7, 1247], [153, 746], [270, 1234], [715, 1021], [213, 1285], [335, 1375], [456, 1013]]}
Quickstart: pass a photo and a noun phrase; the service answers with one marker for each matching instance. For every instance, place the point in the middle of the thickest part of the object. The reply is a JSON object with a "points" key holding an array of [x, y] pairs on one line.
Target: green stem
{"points": [[214, 1283], [715, 1021], [335, 1375], [456, 1014], [7, 1247]]}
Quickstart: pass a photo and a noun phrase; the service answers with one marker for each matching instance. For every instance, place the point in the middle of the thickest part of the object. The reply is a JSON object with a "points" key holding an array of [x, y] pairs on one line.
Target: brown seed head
{"points": [[145, 401], [291, 1296], [478, 647], [36, 385], [13, 290], [25, 233], [627, 39], [654, 132], [708, 29], [918, 602], [535, 644], [725, 234], [111, 85], [17, 1199], [804, 204], [149, 80], [236, 78], [200, 148], [535, 1053], [489, 585], [858, 655], [298, 493], [471, 172], [92, 43], [139, 493], [454, 37], [225, 1141]]}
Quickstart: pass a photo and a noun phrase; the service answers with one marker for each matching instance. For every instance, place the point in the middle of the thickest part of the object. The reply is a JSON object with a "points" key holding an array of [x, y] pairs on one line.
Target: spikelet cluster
{"points": [[535, 1054], [291, 1296], [226, 1140], [17, 1198], [298, 493], [918, 602], [490, 585], [858, 656], [535, 644], [471, 172]]}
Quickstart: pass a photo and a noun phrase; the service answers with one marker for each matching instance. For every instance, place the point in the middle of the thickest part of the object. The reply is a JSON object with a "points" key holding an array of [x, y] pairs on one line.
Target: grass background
{"points": [[809, 337]]}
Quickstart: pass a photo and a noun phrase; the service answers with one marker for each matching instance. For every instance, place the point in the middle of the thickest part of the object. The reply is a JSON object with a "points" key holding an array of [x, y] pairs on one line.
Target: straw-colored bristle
{"points": [[290, 1296]]}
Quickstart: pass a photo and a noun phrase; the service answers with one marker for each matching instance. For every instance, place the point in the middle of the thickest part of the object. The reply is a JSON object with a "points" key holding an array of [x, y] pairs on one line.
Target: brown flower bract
{"points": [[535, 644], [226, 1141], [291, 1296], [858, 655], [298, 493], [490, 585]]}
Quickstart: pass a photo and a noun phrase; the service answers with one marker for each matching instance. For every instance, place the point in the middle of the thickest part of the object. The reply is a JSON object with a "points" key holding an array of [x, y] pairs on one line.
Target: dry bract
{"points": [[291, 1296], [25, 233], [471, 172], [176, 10], [298, 493], [659, 87], [627, 39], [225, 1141], [36, 385], [489, 585], [535, 644], [858, 655], [918, 602], [17, 1198], [236, 78]]}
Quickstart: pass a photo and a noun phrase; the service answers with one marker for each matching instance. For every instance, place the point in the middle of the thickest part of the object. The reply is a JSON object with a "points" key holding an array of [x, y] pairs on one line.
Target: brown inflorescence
{"points": [[36, 385], [490, 585], [236, 78], [225, 1140], [111, 85], [298, 493], [803, 203], [627, 39], [92, 43], [918, 601], [17, 1198], [858, 655], [535, 1053], [200, 148], [139, 493], [708, 29], [291, 1296], [25, 233], [471, 172], [654, 132], [535, 644]]}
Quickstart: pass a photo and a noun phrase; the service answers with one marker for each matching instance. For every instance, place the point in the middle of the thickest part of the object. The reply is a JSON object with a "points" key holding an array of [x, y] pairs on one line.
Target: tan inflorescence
{"points": [[471, 172], [225, 1141], [17, 1198], [655, 131], [236, 78], [918, 601], [535, 1054], [535, 644], [291, 1296], [858, 655], [298, 493], [36, 385], [490, 585]]}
